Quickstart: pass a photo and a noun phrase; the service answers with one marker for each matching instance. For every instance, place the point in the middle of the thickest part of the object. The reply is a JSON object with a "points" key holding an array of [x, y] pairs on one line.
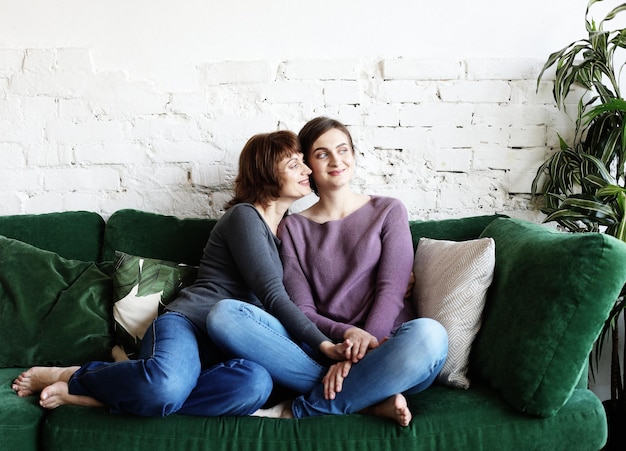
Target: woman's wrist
{"points": [[329, 349]]}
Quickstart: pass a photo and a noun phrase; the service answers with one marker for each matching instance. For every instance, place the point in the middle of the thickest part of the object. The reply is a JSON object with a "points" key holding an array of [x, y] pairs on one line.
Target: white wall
{"points": [[145, 37], [145, 104]]}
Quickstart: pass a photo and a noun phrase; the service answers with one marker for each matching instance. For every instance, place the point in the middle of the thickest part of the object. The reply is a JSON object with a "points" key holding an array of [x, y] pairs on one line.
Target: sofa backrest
{"points": [[156, 236], [74, 235], [462, 229], [182, 240]]}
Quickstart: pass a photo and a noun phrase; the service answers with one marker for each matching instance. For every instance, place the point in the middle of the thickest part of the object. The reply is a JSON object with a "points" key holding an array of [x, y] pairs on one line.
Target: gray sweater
{"points": [[241, 261]]}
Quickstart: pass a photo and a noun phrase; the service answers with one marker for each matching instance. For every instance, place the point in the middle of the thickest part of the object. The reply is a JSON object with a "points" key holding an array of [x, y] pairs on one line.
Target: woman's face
{"points": [[332, 160], [293, 177]]}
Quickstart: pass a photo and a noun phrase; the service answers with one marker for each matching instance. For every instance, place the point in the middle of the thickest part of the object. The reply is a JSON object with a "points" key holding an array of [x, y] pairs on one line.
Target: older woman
{"points": [[179, 369]]}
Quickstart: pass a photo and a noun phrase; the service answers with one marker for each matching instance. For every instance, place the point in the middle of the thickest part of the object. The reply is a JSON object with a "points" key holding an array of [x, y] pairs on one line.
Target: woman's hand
{"points": [[361, 340], [338, 352], [333, 381]]}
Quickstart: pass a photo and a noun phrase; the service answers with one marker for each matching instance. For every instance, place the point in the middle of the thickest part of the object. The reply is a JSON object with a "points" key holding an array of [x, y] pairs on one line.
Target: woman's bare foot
{"points": [[395, 408], [37, 378], [280, 410], [57, 394]]}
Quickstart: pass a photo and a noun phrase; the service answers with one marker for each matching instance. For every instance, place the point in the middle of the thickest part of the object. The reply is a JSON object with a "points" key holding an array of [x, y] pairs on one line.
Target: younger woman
{"points": [[348, 260]]}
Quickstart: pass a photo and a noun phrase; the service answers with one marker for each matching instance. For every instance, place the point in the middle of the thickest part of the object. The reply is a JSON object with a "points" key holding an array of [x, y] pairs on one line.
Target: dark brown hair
{"points": [[257, 180], [313, 130]]}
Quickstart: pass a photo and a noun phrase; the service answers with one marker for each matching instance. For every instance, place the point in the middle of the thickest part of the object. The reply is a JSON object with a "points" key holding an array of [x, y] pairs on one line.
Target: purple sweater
{"points": [[353, 271]]}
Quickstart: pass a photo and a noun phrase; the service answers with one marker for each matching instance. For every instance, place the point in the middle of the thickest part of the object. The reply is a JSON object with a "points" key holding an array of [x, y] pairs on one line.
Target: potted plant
{"points": [[582, 185]]}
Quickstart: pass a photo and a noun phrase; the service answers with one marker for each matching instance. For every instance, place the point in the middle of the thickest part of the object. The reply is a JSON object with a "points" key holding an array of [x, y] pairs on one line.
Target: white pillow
{"points": [[451, 282]]}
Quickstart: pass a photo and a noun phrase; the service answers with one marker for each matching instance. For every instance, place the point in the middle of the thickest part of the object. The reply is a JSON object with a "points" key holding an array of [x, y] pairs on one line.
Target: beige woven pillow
{"points": [[451, 282]]}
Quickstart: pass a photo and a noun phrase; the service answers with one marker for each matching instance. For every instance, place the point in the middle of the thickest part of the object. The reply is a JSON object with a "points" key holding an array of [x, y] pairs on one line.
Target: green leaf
{"points": [[611, 15], [153, 277], [127, 268], [610, 190], [603, 108], [620, 233], [180, 277], [587, 209]]}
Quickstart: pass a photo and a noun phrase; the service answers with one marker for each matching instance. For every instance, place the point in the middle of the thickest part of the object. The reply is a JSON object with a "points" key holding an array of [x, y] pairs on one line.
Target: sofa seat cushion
{"points": [[20, 418], [551, 293], [53, 311], [444, 418]]}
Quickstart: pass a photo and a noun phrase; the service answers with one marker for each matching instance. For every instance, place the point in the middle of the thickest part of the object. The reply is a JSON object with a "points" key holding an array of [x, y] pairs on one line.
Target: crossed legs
{"points": [[169, 378]]}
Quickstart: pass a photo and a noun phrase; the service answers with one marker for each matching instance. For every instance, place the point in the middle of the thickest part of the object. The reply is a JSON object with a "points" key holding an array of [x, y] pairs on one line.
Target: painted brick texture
{"points": [[450, 138]]}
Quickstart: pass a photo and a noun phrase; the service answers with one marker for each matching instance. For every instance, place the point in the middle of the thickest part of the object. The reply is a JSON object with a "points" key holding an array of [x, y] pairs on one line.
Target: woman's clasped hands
{"points": [[357, 342]]}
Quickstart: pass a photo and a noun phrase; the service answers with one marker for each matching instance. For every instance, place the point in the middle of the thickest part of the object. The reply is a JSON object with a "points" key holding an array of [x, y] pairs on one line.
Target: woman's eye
{"points": [[321, 155]]}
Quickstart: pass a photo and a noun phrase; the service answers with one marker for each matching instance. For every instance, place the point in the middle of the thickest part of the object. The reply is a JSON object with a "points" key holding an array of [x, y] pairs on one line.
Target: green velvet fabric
{"points": [[445, 419], [156, 236], [53, 311], [450, 229], [20, 418], [551, 294], [73, 234]]}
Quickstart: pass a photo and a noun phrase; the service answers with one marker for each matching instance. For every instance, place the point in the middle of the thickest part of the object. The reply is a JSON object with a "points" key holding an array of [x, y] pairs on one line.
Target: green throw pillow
{"points": [[53, 311], [551, 293], [142, 287]]}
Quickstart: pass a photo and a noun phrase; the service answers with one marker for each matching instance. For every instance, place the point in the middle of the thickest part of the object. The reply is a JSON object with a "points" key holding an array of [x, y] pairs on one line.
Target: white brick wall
{"points": [[451, 138]]}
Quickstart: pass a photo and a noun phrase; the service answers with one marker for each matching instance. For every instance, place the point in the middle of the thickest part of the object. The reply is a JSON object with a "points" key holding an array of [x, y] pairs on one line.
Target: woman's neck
{"points": [[336, 205], [272, 213]]}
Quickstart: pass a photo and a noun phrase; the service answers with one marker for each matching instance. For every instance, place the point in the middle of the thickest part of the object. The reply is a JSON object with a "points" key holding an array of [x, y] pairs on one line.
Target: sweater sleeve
{"points": [[394, 271], [259, 264]]}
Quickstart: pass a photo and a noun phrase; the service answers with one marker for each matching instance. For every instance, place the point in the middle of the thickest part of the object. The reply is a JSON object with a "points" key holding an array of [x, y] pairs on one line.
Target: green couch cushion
{"points": [[552, 292], [444, 419], [20, 418], [53, 311], [156, 236], [74, 234]]}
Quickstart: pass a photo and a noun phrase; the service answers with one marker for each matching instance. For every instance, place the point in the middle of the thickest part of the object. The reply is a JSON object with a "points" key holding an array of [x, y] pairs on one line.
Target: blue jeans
{"points": [[179, 371], [407, 362], [244, 331]]}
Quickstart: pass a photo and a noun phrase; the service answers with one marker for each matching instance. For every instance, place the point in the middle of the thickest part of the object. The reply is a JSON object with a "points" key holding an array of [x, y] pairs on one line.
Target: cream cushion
{"points": [[451, 282]]}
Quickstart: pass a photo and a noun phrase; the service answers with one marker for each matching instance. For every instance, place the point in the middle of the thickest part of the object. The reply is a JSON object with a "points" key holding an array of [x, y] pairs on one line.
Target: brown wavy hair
{"points": [[258, 180], [313, 130]]}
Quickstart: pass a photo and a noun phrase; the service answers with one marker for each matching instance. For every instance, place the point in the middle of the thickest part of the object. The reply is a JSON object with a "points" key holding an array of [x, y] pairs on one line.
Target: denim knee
{"points": [[250, 386], [221, 315], [163, 397], [426, 336]]}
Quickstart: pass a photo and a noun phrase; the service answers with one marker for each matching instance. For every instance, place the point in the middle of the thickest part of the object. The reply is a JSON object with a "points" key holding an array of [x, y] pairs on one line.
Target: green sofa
{"points": [[550, 295]]}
